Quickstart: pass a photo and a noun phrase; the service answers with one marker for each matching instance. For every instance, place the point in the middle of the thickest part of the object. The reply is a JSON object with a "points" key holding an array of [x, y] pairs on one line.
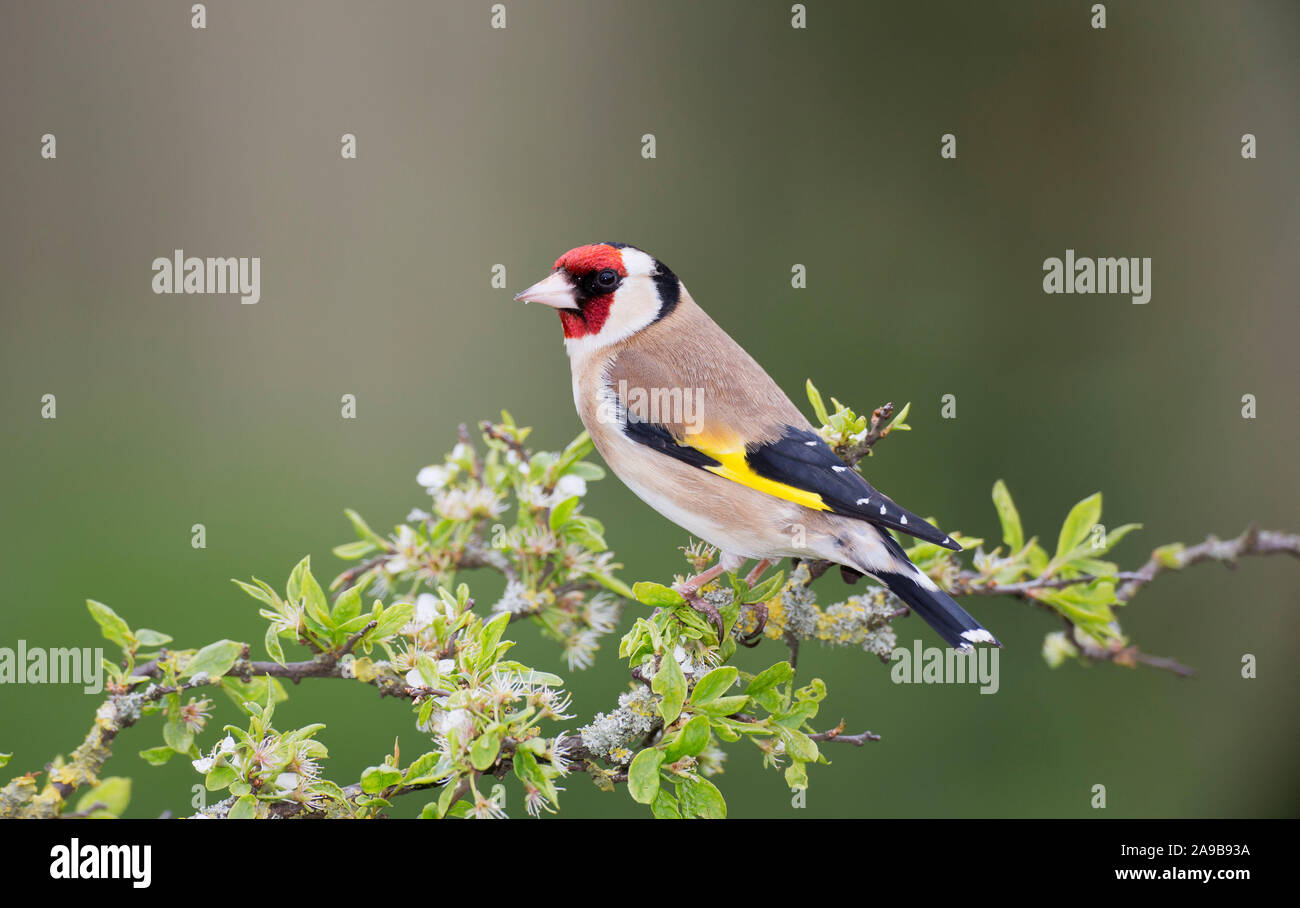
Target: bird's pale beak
{"points": [[555, 291]]}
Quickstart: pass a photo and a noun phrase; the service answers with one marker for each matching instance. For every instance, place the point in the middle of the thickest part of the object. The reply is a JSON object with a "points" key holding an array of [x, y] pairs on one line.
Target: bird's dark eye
{"points": [[607, 279]]}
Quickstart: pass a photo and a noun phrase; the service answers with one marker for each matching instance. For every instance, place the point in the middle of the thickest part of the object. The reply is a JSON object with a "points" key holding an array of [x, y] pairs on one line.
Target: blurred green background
{"points": [[775, 146]]}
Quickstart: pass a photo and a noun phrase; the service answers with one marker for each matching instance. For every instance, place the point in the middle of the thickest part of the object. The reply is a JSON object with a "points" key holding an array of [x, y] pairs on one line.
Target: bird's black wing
{"points": [[800, 458], [804, 469]]}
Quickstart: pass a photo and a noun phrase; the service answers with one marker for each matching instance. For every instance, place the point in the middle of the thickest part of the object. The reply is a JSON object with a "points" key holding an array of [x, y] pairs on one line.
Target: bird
{"points": [[702, 434]]}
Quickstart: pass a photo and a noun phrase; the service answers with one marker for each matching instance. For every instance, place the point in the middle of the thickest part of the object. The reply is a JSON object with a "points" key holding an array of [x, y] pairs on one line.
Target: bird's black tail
{"points": [[937, 608]]}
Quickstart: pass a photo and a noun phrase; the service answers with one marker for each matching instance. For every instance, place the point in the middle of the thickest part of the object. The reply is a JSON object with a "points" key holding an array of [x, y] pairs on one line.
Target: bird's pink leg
{"points": [[690, 590], [760, 608], [752, 577]]}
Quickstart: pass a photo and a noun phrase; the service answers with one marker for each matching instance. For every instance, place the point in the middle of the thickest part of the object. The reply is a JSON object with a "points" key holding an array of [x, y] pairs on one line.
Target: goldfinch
{"points": [[696, 428]]}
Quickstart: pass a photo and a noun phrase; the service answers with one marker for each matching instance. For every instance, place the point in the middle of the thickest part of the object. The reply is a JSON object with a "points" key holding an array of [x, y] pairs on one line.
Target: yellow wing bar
{"points": [[732, 465]]}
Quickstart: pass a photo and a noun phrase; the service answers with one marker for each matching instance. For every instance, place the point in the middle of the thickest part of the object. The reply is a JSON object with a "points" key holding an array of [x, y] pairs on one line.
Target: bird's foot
{"points": [[760, 608], [753, 638], [706, 608]]}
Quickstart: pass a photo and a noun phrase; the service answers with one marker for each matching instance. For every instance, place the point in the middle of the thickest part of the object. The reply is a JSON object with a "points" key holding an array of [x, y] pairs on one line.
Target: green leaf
{"points": [[175, 732], [5, 758], [114, 793], [690, 741], [314, 601], [670, 684], [114, 629], [586, 470], [798, 745], [818, 405], [561, 513], [244, 809], [253, 691], [483, 752], [1078, 524], [1088, 606], [798, 714], [763, 687], [154, 756], [261, 592], [272, 642], [448, 792], [656, 594], [614, 585], [577, 449], [363, 530], [220, 776], [294, 587], [151, 638], [392, 620], [421, 769], [814, 690], [1012, 533], [586, 532], [375, 779], [527, 771], [796, 775], [665, 807], [714, 684], [700, 798], [352, 551], [491, 637], [529, 674], [897, 424], [216, 659], [723, 706], [643, 775], [765, 590]]}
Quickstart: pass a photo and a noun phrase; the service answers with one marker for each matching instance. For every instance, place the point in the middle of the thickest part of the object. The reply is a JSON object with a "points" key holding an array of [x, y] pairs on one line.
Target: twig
{"points": [[349, 577], [356, 638], [969, 583], [327, 665], [837, 734], [491, 432], [877, 430], [1252, 541]]}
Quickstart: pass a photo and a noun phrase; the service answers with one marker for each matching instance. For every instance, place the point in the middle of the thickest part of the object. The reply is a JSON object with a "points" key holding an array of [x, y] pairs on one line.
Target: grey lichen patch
{"points": [[617, 735], [862, 620]]}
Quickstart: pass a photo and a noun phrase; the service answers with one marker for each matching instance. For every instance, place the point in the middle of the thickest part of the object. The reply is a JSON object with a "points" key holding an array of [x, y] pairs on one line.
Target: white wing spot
{"points": [[904, 520], [839, 469], [863, 501], [882, 509], [811, 444]]}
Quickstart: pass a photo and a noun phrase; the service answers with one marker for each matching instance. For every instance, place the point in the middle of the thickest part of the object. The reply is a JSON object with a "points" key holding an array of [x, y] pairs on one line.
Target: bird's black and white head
{"points": [[606, 292]]}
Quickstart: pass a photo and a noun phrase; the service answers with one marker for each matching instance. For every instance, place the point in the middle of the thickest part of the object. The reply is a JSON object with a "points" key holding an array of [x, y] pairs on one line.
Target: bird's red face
{"points": [[606, 291]]}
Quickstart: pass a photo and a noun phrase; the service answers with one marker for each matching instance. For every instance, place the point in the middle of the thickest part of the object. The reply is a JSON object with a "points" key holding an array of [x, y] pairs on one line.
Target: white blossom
{"points": [[435, 477]]}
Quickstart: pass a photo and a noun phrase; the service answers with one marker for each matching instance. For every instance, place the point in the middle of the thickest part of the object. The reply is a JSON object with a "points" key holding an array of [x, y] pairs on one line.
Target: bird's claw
{"points": [[705, 608], [753, 638]]}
